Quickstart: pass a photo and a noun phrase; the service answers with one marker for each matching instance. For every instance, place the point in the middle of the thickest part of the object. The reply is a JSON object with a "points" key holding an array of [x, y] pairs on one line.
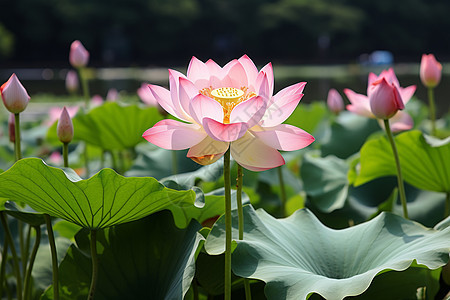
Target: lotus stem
{"points": [[239, 182], [66, 154], [8, 291], [86, 95], [17, 148], [84, 86], [27, 247], [27, 287], [3, 266], [401, 187], [114, 161], [239, 185], [282, 191], [21, 243], [228, 224], [102, 159], [432, 110], [195, 289], [14, 255], [51, 240], [94, 264]]}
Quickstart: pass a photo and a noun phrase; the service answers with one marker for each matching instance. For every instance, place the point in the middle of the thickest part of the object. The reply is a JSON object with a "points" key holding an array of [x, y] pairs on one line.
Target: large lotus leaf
{"points": [[298, 256], [367, 200], [103, 200], [425, 162], [214, 206], [325, 181], [206, 173], [347, 134], [153, 161], [147, 259], [412, 283], [24, 214], [112, 126]]}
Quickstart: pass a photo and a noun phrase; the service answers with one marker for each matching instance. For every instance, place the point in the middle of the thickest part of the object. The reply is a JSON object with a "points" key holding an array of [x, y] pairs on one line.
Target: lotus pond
{"points": [[224, 186]]}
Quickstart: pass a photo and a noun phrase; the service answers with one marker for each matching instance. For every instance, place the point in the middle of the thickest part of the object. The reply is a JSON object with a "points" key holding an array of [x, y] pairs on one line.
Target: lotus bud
{"points": [[96, 100], [64, 129], [334, 101], [78, 55], [14, 95], [112, 95], [72, 81], [430, 71], [385, 99], [12, 128]]}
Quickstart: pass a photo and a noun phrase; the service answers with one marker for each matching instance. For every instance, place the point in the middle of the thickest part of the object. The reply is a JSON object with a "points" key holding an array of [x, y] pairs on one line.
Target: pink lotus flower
{"points": [[334, 101], [78, 55], [430, 71], [72, 81], [360, 104], [64, 129], [146, 95], [55, 158], [14, 95], [230, 106]]}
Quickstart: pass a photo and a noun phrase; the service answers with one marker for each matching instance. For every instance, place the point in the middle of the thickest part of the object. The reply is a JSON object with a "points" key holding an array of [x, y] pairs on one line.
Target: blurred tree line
{"points": [[142, 32]]}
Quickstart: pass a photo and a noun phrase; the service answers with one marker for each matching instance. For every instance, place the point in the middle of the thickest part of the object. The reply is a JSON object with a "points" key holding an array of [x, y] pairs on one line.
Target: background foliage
{"points": [[144, 31]]}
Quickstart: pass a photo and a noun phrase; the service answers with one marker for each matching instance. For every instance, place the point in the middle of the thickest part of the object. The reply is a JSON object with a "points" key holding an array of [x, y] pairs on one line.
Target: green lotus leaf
{"points": [[214, 206], [101, 201], [308, 116], [24, 214], [206, 173], [425, 162], [298, 256], [111, 126], [325, 181], [152, 161], [347, 134], [147, 259]]}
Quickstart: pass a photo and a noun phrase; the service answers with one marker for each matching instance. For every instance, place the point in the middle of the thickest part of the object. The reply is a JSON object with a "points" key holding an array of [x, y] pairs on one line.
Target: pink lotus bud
{"points": [[72, 81], [96, 100], [385, 99], [14, 95], [334, 101], [12, 128], [64, 129], [430, 71], [112, 95], [78, 55]]}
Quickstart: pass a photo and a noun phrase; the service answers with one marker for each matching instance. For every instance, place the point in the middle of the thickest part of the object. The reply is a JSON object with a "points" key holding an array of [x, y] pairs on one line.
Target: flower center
{"points": [[227, 94], [228, 97]]}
